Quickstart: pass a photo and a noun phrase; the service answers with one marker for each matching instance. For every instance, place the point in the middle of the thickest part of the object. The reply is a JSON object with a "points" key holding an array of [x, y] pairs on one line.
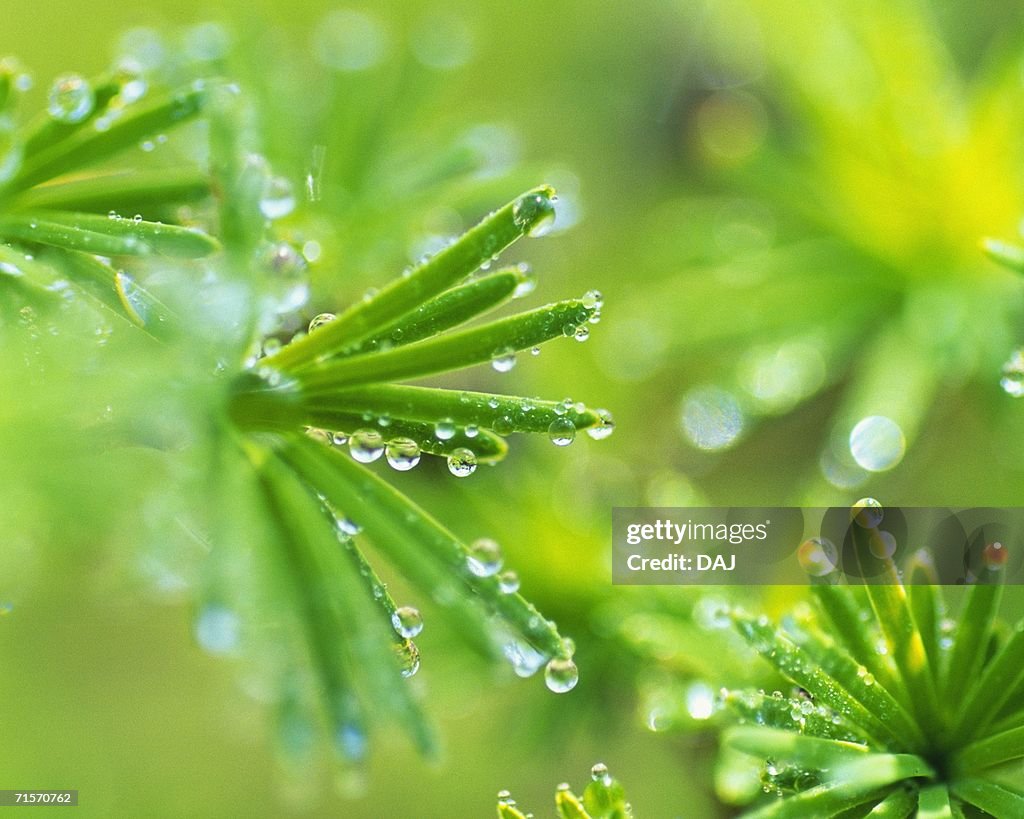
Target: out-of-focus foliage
{"points": [[603, 798], [849, 166]]}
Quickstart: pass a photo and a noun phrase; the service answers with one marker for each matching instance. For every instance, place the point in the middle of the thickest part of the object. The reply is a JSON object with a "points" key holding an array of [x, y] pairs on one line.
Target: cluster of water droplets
{"points": [[781, 778], [367, 445], [505, 800], [17, 81]]}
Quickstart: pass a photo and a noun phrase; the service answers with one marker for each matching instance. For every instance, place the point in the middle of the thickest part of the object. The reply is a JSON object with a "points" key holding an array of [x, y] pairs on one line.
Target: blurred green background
{"points": [[782, 206]]}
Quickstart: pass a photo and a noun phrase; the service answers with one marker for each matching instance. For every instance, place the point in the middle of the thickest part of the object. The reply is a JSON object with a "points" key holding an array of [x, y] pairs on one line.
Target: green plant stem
{"points": [[437, 274], [461, 407], [125, 193], [88, 146], [449, 352]]}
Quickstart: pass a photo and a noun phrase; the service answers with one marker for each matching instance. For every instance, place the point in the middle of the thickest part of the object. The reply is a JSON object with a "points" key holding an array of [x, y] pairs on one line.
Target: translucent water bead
{"points": [[407, 621], [877, 443], [402, 454], [277, 199], [71, 99], [561, 675], [818, 556], [534, 213], [366, 445], [562, 431], [461, 462], [320, 320], [485, 558], [605, 428]]}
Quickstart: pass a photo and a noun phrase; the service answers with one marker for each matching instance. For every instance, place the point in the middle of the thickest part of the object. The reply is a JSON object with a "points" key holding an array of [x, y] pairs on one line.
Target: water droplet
{"points": [[503, 425], [409, 657], [484, 557], [320, 320], [278, 198], [471, 431], [217, 629], [133, 86], [535, 351], [503, 360], [444, 430], [288, 270], [508, 582], [818, 556], [366, 445], [71, 99], [527, 282], [561, 675], [865, 676], [562, 431], [877, 443], [402, 454], [712, 418], [882, 544], [1012, 381], [605, 428], [599, 773], [349, 527], [461, 462], [407, 621], [593, 300], [867, 513], [700, 701], [526, 660], [534, 214], [582, 333], [712, 613]]}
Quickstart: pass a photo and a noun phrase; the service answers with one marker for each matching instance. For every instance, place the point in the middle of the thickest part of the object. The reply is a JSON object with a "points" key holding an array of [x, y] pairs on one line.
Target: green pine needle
{"points": [[867, 732]]}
